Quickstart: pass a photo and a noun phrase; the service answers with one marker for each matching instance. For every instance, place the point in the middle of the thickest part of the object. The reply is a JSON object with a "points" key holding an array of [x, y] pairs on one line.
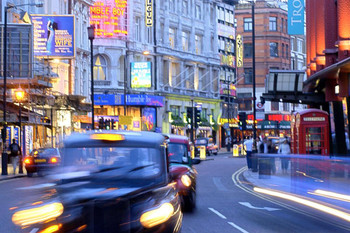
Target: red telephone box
{"points": [[311, 132], [293, 133]]}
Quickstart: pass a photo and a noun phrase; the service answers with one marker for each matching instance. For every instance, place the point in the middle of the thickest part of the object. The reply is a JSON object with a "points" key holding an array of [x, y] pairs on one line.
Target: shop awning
{"points": [[265, 125], [284, 125]]}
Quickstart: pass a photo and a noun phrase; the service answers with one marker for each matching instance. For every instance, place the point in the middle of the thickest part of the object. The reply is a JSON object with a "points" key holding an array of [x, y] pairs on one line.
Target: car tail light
{"points": [[53, 160], [27, 161]]}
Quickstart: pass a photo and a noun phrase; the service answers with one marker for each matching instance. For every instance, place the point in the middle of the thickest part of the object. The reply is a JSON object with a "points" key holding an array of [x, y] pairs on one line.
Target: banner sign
{"points": [[149, 13], [296, 17], [226, 31], [141, 75], [53, 35], [239, 47], [225, 89], [131, 99], [109, 18]]}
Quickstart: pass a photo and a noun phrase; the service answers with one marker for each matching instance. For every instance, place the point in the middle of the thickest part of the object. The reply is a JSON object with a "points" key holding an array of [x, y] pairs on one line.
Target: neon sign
{"points": [[109, 18]]}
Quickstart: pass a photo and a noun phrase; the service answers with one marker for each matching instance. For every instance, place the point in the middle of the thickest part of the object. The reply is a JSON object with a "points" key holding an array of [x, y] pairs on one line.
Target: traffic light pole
{"points": [[191, 132]]}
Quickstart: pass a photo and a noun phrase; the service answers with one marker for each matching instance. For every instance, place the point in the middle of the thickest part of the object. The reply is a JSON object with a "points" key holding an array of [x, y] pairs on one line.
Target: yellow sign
{"points": [[202, 152], [125, 120], [239, 46], [149, 13]]}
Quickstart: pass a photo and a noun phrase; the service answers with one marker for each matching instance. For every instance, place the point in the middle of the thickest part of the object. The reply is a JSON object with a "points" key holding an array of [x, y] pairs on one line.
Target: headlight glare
{"points": [[157, 216], [186, 180], [39, 214]]}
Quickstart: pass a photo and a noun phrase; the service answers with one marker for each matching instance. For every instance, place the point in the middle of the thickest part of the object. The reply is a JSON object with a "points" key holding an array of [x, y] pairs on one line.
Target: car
{"points": [[182, 170], [108, 181], [210, 147], [41, 160]]}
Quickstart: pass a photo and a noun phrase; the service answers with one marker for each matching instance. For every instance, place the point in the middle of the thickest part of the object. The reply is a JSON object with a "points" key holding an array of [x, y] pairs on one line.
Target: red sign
{"points": [[109, 18]]}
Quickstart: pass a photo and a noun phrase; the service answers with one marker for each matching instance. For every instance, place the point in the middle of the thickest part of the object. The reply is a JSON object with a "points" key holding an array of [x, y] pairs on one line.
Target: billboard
{"points": [[296, 17], [239, 47], [53, 35], [141, 75], [148, 119], [109, 18]]}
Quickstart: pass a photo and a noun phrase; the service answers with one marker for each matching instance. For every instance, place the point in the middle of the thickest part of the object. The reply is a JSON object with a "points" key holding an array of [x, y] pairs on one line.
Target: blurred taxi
{"points": [[109, 181], [181, 169], [41, 160], [210, 147]]}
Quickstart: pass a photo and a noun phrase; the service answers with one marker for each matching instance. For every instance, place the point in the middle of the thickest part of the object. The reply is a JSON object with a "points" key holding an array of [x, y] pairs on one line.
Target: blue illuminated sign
{"points": [[131, 100], [296, 17]]}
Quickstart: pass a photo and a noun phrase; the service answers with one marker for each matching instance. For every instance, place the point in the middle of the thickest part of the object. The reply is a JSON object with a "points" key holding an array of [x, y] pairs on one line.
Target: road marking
{"points": [[237, 227], [247, 204], [219, 184], [217, 213]]}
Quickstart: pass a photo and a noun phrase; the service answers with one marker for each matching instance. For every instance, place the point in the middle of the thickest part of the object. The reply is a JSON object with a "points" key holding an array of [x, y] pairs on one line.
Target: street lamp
{"points": [[4, 156], [91, 33], [19, 97]]}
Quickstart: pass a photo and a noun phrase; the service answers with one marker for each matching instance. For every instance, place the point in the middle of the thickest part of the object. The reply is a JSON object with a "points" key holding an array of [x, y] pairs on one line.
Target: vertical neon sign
{"points": [[109, 18]]}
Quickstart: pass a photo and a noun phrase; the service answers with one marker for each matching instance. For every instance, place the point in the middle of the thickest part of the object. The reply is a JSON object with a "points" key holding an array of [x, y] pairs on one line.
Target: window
{"points": [[282, 50], [198, 44], [175, 110], [299, 45], [221, 14], [286, 107], [171, 5], [198, 12], [138, 29], [227, 16], [292, 43], [248, 50], [275, 106], [287, 51], [282, 25], [248, 75], [273, 23], [100, 68], [248, 24], [185, 41], [172, 37], [185, 7], [245, 101], [273, 49], [149, 35]]}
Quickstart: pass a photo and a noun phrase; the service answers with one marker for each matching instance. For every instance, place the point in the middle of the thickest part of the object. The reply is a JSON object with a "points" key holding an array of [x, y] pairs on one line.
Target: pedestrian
{"points": [[15, 151], [270, 149], [228, 143], [248, 146], [284, 150]]}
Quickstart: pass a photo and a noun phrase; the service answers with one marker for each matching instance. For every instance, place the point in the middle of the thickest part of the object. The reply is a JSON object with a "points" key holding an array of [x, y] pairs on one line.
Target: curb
{"points": [[6, 177]]}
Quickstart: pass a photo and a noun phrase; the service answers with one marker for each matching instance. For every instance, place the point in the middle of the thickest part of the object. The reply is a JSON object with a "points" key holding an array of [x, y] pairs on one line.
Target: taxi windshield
{"points": [[177, 152], [144, 162]]}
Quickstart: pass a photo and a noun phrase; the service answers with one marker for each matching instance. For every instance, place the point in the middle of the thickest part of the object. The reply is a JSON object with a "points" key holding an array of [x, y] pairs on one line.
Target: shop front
{"points": [[138, 112]]}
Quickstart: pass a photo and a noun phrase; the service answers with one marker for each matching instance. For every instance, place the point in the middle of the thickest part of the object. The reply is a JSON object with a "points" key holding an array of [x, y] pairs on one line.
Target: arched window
{"points": [[100, 68]]}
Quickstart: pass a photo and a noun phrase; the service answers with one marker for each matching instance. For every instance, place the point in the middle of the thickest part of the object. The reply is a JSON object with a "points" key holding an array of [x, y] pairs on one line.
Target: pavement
{"points": [[10, 172], [306, 184]]}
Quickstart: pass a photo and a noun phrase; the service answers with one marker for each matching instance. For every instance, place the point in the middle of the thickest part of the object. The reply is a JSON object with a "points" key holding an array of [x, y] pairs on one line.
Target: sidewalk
{"points": [[306, 185], [10, 173]]}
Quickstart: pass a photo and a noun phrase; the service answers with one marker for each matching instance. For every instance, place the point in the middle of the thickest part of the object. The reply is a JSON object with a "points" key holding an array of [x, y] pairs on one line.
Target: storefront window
{"points": [[100, 68]]}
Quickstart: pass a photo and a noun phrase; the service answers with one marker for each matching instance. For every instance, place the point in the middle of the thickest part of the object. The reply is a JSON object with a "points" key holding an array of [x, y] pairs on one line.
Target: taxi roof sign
{"points": [[108, 137]]}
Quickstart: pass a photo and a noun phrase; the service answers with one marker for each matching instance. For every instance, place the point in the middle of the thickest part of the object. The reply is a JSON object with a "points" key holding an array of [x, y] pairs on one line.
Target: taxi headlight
{"points": [[39, 214], [157, 216], [186, 180]]}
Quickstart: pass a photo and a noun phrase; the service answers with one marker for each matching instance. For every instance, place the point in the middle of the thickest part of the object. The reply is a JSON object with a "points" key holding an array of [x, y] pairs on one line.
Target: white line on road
{"points": [[247, 204], [217, 213], [237, 227]]}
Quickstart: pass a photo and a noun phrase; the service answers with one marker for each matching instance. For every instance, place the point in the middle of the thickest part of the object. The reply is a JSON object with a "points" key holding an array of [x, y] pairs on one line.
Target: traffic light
{"points": [[197, 117], [189, 115], [108, 124], [242, 120], [113, 124], [101, 123]]}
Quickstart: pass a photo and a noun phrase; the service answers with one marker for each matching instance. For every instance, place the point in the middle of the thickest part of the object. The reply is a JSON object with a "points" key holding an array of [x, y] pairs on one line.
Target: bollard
{"points": [[254, 162], [202, 153], [235, 150]]}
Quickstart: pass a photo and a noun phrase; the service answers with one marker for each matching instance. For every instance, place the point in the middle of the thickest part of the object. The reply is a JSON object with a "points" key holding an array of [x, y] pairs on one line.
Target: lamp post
{"points": [[254, 88], [91, 33], [19, 97], [4, 156]]}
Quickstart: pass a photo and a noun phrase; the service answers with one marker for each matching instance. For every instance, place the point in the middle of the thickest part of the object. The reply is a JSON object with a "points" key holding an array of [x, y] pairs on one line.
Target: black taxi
{"points": [[108, 181]]}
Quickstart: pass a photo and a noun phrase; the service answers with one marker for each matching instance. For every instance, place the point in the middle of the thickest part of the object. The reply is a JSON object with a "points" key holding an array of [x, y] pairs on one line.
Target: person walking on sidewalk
{"points": [[228, 143], [248, 145], [284, 149], [15, 151]]}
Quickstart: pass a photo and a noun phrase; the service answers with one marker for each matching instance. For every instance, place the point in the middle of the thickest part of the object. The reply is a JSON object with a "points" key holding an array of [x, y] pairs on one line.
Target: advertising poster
{"points": [[8, 136], [28, 131], [141, 75], [148, 119], [53, 35], [109, 18], [16, 134]]}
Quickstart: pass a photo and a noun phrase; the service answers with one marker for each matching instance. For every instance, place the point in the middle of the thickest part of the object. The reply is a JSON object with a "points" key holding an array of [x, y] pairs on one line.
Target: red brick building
{"points": [[328, 58], [272, 51]]}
